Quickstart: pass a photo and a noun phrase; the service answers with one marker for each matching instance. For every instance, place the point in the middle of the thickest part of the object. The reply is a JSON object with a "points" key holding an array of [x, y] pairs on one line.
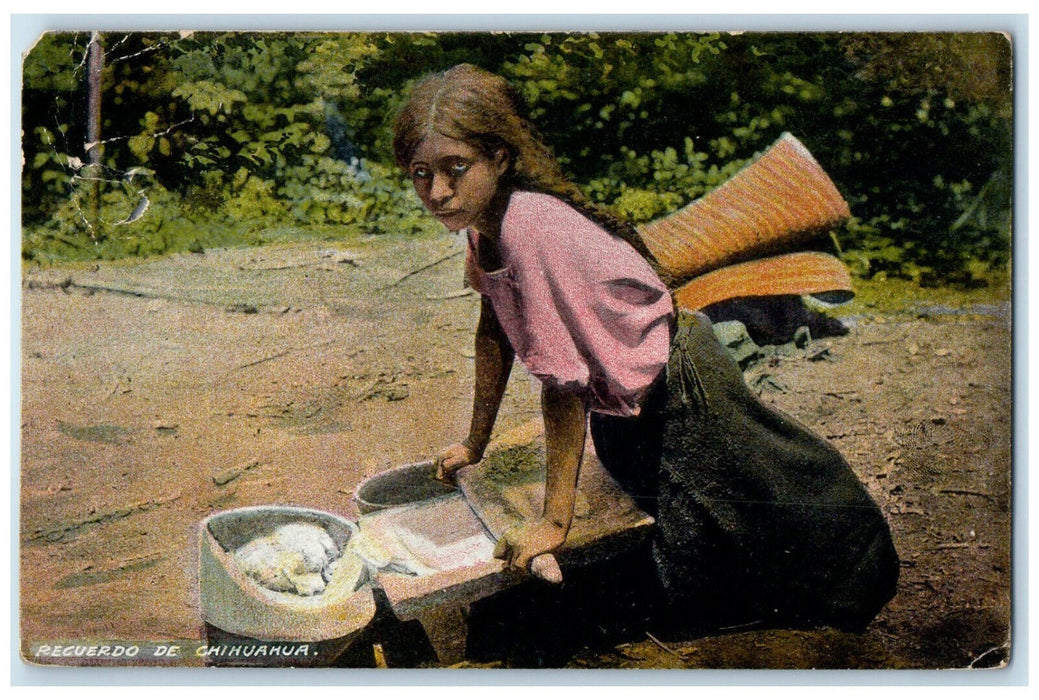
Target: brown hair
{"points": [[483, 110]]}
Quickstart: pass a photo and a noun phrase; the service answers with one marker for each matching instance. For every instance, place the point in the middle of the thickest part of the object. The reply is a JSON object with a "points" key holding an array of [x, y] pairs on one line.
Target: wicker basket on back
{"points": [[735, 241]]}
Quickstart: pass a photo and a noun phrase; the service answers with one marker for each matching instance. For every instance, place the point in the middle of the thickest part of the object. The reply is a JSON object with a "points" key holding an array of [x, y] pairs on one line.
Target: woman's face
{"points": [[456, 181]]}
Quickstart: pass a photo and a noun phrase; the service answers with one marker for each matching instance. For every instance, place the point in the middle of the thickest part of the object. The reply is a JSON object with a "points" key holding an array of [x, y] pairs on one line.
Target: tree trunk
{"points": [[95, 65]]}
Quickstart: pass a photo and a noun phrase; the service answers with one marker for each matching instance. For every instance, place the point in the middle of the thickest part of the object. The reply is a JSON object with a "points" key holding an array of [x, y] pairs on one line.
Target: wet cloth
{"points": [[295, 558], [581, 308], [759, 520]]}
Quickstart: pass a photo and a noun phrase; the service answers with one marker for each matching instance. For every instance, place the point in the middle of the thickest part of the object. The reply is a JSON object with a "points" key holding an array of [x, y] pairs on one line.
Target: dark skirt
{"points": [[759, 521]]}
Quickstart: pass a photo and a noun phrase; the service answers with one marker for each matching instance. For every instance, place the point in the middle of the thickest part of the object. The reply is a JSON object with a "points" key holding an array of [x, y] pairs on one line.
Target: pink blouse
{"points": [[581, 308]]}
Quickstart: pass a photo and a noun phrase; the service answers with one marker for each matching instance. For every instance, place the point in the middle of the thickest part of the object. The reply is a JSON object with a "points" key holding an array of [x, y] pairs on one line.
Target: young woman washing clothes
{"points": [[758, 519]]}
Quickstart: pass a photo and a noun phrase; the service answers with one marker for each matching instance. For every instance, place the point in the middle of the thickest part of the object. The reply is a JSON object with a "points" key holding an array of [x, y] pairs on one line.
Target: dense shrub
{"points": [[227, 135]]}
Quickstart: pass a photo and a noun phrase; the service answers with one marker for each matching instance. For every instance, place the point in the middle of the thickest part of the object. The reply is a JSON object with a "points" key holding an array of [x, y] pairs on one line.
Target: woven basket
{"points": [[791, 274], [773, 205]]}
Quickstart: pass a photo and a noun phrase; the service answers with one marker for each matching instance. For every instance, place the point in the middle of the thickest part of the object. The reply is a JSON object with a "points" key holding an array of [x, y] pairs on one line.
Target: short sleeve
{"points": [[583, 310]]}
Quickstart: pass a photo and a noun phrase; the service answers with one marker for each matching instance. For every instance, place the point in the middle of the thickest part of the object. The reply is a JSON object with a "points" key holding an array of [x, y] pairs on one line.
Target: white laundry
{"points": [[295, 558], [423, 539]]}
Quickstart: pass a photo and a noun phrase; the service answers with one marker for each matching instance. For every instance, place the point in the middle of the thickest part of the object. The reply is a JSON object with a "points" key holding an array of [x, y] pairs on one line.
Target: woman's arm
{"points": [[493, 359], [565, 414]]}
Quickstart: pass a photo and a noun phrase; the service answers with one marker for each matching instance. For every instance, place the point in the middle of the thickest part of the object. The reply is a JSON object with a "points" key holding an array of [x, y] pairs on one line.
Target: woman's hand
{"points": [[450, 459], [522, 543]]}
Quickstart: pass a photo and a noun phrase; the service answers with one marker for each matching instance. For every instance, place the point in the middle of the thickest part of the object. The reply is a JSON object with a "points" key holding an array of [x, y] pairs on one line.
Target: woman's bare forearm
{"points": [[565, 415], [493, 358]]}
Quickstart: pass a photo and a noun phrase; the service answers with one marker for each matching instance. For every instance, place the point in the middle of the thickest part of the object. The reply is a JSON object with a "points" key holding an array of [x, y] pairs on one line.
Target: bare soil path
{"points": [[155, 393]]}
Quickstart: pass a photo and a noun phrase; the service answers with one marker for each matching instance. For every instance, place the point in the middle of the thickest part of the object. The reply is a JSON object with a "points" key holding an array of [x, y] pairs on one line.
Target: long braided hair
{"points": [[482, 109]]}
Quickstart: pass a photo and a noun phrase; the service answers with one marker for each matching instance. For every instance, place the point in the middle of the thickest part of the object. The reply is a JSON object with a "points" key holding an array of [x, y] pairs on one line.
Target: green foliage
{"points": [[601, 94], [55, 61], [366, 196], [229, 135], [130, 223]]}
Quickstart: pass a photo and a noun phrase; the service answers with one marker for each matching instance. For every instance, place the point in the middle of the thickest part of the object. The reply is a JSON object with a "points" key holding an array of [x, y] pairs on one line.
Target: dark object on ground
{"points": [[774, 320]]}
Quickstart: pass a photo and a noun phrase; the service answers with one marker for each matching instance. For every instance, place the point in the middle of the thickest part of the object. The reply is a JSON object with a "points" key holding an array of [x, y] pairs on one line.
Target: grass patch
{"points": [[894, 296]]}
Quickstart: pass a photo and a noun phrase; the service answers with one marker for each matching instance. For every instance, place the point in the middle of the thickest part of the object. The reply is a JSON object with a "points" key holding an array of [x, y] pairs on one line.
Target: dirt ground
{"points": [[155, 393]]}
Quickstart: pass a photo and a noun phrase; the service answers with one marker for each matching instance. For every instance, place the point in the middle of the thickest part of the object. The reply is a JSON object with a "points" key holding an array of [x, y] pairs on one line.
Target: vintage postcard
{"points": [[598, 350]]}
